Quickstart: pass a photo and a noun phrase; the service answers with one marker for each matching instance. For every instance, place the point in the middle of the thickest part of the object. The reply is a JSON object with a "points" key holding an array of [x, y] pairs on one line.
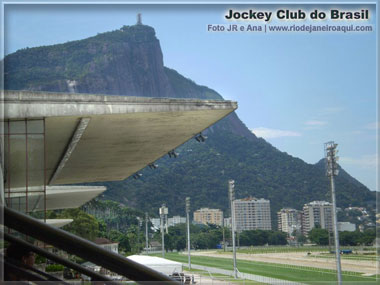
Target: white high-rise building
{"points": [[317, 213], [289, 220], [252, 214]]}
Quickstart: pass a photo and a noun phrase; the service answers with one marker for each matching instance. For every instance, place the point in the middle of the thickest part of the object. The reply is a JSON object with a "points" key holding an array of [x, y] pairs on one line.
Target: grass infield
{"points": [[308, 275]]}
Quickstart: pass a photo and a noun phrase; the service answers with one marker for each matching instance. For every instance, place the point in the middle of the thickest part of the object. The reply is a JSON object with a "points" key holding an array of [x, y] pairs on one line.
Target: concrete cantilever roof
{"points": [[57, 197], [105, 138]]}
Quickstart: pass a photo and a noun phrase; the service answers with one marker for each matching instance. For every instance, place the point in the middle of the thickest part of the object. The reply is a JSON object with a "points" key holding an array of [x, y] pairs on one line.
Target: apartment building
{"points": [[317, 213], [209, 216], [252, 214], [289, 220]]}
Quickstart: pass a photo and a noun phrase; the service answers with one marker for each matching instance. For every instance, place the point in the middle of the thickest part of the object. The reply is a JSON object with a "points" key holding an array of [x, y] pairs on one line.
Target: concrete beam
{"points": [[28, 104], [57, 197]]}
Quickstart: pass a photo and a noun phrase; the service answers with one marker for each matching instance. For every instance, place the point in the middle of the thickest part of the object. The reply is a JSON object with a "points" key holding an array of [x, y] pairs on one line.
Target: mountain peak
{"points": [[127, 62], [139, 33]]}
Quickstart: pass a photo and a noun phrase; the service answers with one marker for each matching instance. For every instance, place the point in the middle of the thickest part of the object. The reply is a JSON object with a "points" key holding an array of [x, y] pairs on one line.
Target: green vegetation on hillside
{"points": [[186, 88], [51, 65], [106, 219], [202, 170]]}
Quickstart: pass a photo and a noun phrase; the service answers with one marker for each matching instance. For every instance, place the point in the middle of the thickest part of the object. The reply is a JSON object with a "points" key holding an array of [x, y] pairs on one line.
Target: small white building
{"points": [[346, 227], [107, 244], [176, 220], [156, 222], [162, 265]]}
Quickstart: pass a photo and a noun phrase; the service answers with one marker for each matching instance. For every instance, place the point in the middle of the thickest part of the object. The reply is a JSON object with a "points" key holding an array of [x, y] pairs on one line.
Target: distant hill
{"points": [[260, 170], [129, 62]]}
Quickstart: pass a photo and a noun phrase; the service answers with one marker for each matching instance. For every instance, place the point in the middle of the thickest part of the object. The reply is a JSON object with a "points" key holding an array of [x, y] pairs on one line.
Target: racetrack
{"points": [[299, 259]]}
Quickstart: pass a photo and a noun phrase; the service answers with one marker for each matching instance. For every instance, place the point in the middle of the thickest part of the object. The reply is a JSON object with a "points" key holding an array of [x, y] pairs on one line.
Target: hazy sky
{"points": [[298, 90]]}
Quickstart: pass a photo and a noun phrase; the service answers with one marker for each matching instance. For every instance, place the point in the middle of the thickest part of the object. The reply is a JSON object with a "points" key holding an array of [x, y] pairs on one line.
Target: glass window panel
{"points": [[17, 127], [6, 160], [35, 126], [17, 203], [3, 127], [35, 202], [35, 160], [17, 157]]}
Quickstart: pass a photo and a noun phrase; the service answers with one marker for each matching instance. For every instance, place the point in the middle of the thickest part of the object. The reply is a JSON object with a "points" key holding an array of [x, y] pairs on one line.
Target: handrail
{"points": [[12, 263], [20, 271], [83, 248], [58, 259]]}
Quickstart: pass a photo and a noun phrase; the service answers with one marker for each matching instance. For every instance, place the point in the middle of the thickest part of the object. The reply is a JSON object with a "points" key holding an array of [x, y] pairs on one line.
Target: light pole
{"points": [[138, 233], [331, 171], [231, 191], [224, 238], [163, 212], [166, 221], [188, 229], [146, 232]]}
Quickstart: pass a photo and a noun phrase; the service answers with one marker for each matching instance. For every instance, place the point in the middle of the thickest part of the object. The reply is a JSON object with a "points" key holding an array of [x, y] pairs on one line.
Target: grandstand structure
{"points": [[51, 141]]}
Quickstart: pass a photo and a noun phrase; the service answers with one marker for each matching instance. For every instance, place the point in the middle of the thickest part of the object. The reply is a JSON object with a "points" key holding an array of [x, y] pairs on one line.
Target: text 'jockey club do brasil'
{"points": [[295, 15]]}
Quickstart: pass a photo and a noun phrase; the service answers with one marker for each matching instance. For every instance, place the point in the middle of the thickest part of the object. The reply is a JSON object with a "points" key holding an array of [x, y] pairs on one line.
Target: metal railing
{"points": [[93, 275], [83, 248]]}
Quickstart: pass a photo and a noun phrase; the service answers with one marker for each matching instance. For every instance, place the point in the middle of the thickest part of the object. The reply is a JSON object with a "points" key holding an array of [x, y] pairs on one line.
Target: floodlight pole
{"points": [[231, 191], [188, 230], [224, 238], [163, 212], [331, 171], [146, 232], [166, 223], [162, 235]]}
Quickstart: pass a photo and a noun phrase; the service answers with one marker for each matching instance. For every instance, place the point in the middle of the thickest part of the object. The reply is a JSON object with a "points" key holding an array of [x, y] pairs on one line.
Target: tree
{"points": [[254, 237], [83, 224], [214, 236], [199, 241], [121, 238], [319, 236], [350, 238], [277, 238], [124, 243], [102, 228], [300, 237], [115, 215], [368, 237], [133, 241], [180, 243]]}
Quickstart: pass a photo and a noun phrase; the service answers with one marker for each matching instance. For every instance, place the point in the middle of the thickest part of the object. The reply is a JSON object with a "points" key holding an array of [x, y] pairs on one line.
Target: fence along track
{"points": [[253, 277]]}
